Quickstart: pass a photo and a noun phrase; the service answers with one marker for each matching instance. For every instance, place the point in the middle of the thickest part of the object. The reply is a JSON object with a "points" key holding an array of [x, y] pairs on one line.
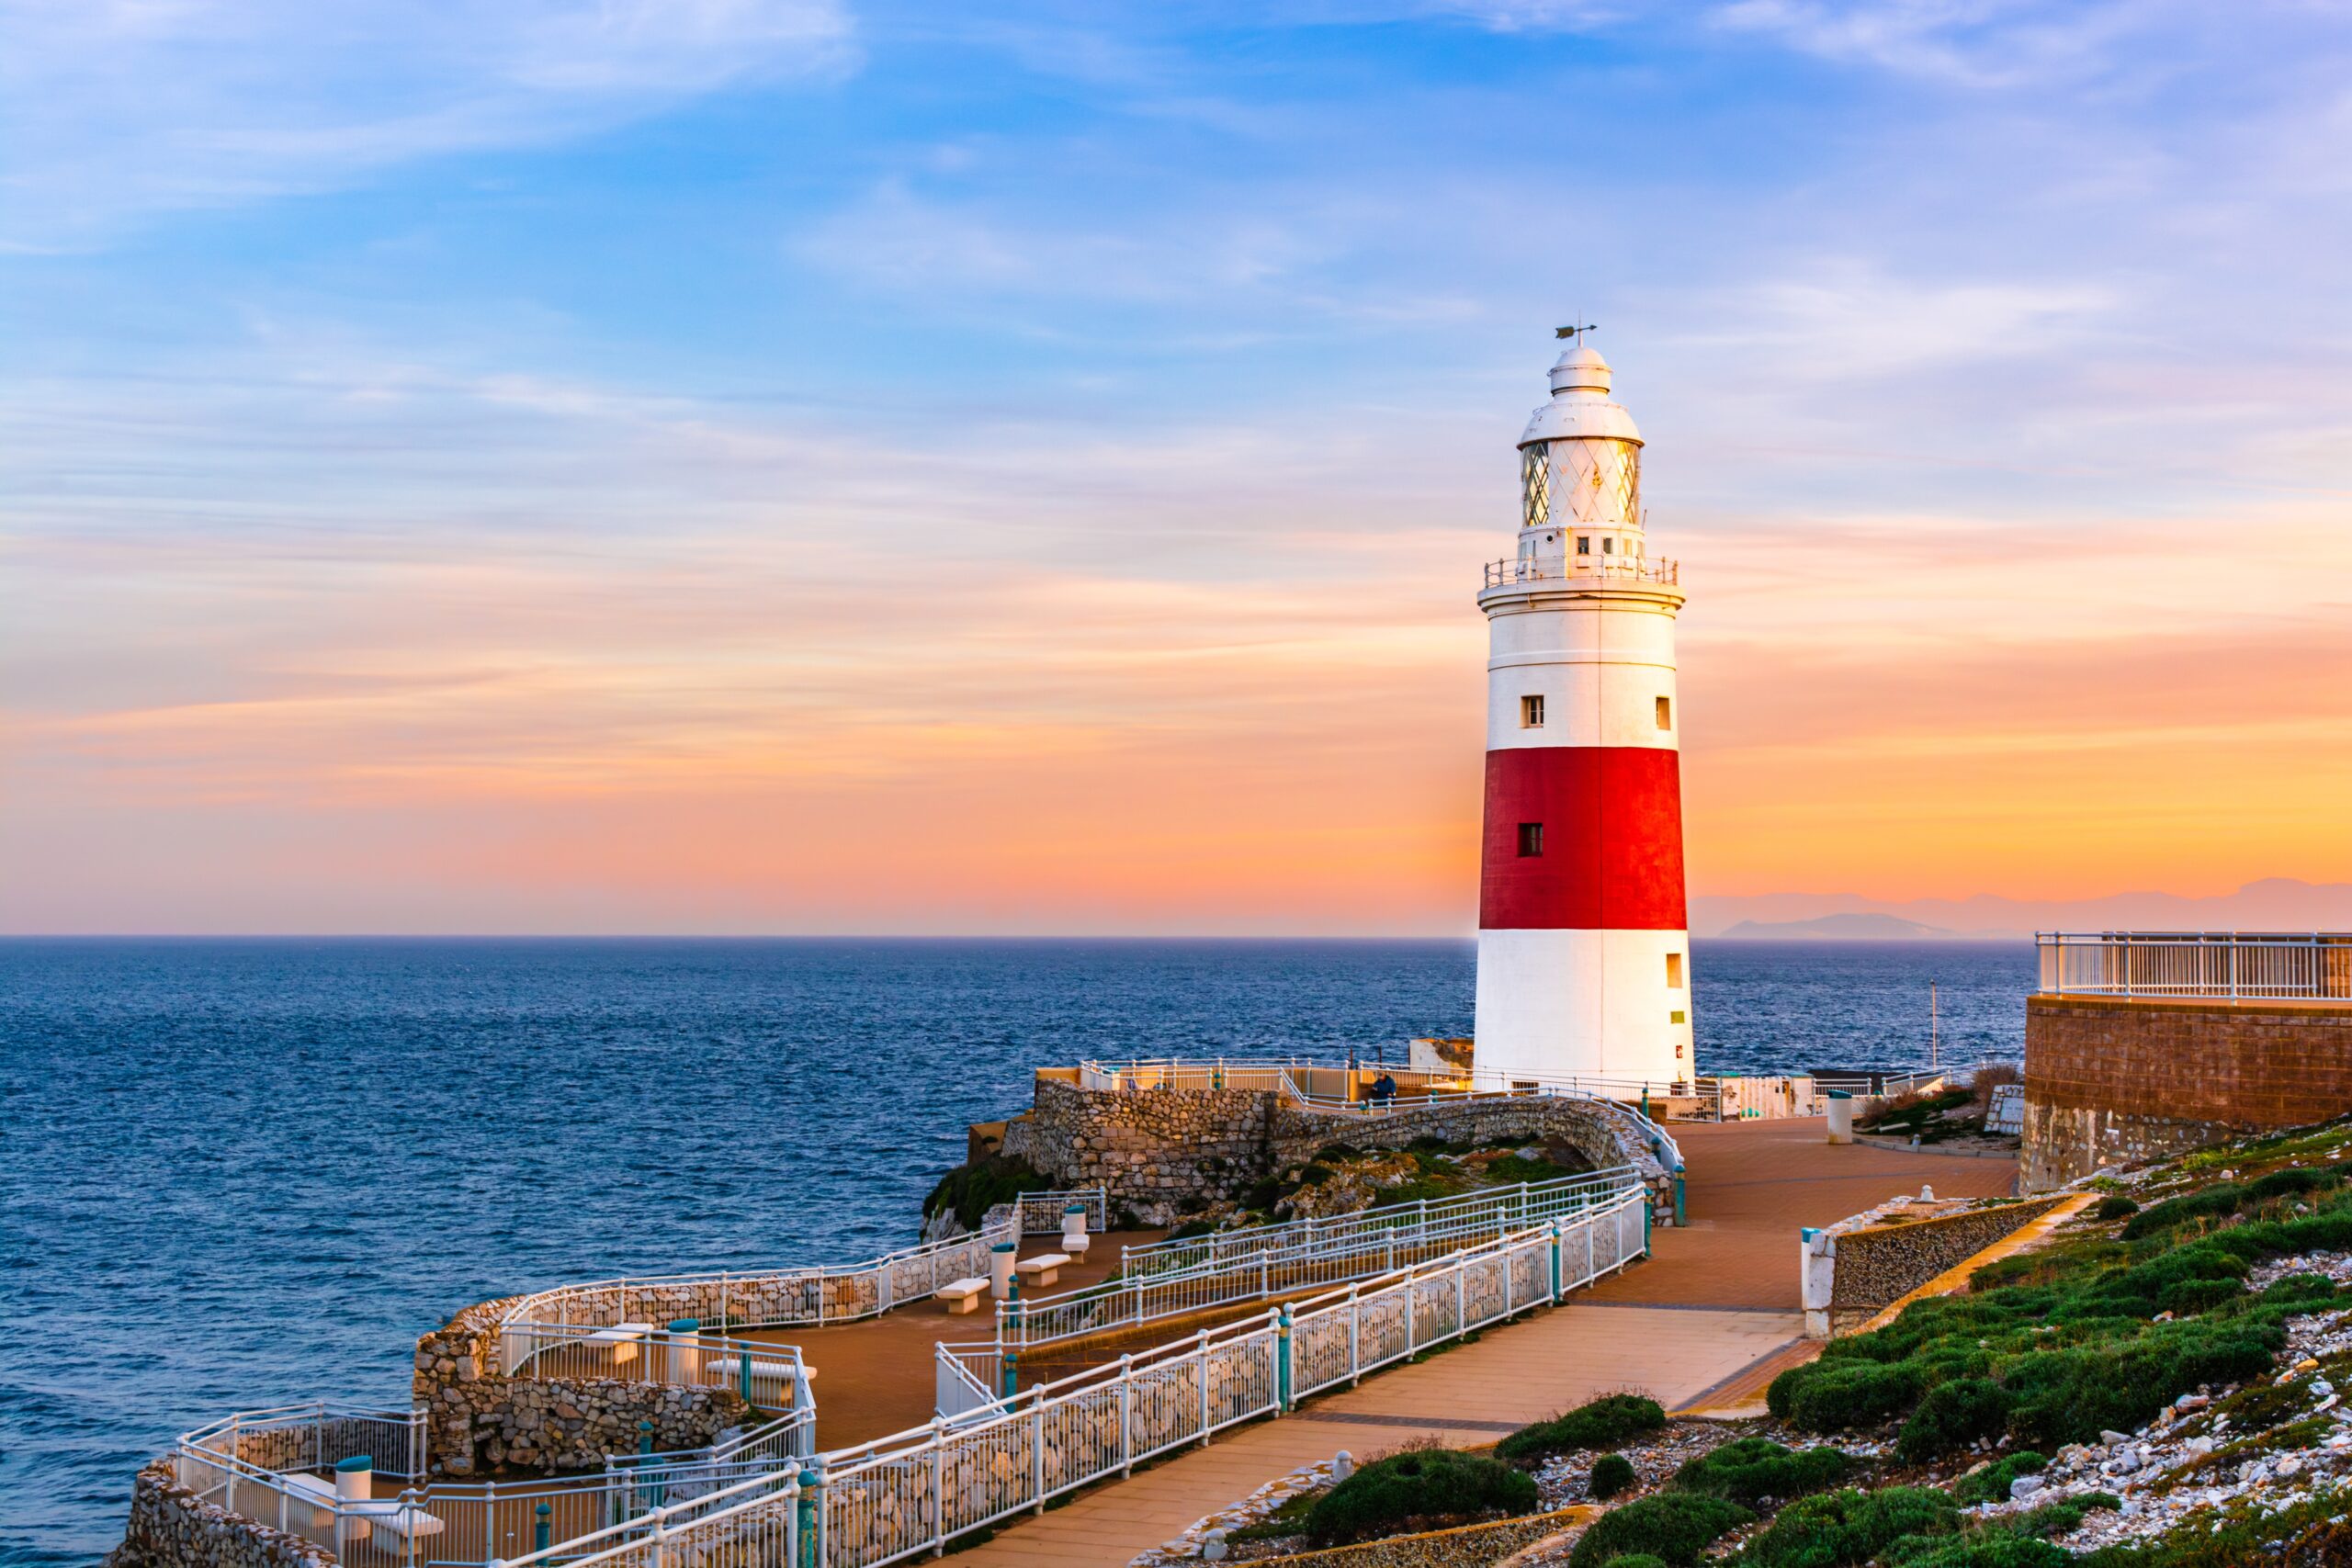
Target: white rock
{"points": [[2024, 1486]]}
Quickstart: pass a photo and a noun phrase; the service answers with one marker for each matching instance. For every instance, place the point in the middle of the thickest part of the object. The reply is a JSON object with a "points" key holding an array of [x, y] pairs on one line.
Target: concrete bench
{"points": [[622, 1338], [726, 1367], [320, 1494], [963, 1295], [1042, 1269], [409, 1522]]}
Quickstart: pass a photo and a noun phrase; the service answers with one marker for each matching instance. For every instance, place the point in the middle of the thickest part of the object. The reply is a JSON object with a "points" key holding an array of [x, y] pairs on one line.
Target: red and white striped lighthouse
{"points": [[1584, 957]]}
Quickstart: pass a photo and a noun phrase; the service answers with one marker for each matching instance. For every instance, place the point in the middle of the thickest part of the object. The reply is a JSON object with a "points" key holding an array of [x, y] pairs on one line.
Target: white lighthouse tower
{"points": [[1584, 957]]}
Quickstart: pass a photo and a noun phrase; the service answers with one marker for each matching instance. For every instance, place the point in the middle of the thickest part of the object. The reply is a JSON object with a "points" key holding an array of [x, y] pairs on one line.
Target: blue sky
{"points": [[445, 438]]}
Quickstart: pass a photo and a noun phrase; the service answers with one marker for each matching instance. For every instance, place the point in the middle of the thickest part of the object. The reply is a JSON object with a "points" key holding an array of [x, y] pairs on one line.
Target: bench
{"points": [[320, 1494], [1043, 1269], [726, 1368], [1075, 1243], [622, 1338], [409, 1522], [963, 1295]]}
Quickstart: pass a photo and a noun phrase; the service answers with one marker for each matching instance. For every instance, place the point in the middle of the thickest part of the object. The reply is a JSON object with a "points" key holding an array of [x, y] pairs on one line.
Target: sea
{"points": [[247, 1173]]}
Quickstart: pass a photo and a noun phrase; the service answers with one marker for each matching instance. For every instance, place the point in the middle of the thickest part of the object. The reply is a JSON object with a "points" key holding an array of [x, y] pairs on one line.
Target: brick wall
{"points": [[2110, 1082]]}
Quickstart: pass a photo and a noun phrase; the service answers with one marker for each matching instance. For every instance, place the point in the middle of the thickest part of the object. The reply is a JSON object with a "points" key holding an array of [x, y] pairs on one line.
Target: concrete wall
{"points": [[2110, 1081], [1164, 1152], [170, 1528], [478, 1419]]}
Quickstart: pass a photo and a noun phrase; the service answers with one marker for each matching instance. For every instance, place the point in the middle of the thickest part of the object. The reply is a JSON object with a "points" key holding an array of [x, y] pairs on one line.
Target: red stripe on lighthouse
{"points": [[1612, 840]]}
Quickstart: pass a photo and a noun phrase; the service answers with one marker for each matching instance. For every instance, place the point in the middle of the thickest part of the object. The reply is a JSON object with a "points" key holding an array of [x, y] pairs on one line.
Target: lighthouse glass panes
{"points": [[1535, 486], [1602, 480]]}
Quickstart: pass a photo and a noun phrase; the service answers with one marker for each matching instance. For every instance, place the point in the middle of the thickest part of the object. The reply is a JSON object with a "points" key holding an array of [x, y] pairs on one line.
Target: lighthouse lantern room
{"points": [[1584, 967]]}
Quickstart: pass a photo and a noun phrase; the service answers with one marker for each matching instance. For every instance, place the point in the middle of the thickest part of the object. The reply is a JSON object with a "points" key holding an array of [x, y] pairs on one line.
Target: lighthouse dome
{"points": [[1580, 404]]}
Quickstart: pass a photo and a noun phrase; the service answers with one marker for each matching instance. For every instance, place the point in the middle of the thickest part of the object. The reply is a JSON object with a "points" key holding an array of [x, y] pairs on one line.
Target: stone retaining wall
{"points": [[1164, 1152], [1466, 1546], [477, 1419], [2116, 1081], [1875, 1263], [171, 1528]]}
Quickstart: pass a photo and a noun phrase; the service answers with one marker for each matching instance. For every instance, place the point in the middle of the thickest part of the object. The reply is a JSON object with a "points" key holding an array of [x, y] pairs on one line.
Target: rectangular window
{"points": [[1584, 544], [1674, 1018], [1531, 837], [1608, 546], [1666, 713], [1674, 971], [1530, 713]]}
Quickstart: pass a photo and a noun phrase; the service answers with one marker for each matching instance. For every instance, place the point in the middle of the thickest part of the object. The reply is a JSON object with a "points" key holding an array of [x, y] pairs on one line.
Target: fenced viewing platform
{"points": [[2230, 966]]}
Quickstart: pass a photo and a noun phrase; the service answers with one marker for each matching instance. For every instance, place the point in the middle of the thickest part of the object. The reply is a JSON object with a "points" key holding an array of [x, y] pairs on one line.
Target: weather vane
{"points": [[1575, 331]]}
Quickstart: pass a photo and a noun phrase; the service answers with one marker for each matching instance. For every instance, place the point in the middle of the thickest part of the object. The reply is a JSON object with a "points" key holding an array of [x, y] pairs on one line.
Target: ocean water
{"points": [[247, 1173]]}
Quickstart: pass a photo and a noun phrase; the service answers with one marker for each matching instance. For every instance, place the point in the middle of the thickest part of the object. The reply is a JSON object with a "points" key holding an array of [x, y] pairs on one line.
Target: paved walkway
{"points": [[1712, 1311]]}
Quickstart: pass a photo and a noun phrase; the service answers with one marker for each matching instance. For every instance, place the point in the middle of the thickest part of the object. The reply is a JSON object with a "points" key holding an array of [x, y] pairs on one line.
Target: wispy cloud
{"points": [[120, 109]]}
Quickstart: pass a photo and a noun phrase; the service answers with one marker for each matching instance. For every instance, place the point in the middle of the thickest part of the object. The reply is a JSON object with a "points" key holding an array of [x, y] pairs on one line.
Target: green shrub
{"points": [[1637, 1560], [1843, 1530], [2284, 1183], [2114, 1208], [2298, 1287], [1977, 1549], [1417, 1487], [1835, 1394], [1603, 1422], [1193, 1230], [1673, 1528], [1952, 1416], [1991, 1484], [2222, 1198], [2187, 1296], [1751, 1471], [1612, 1474], [971, 1190]]}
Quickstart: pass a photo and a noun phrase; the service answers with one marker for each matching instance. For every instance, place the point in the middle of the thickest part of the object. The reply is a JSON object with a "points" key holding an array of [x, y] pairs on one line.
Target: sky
{"points": [[776, 466]]}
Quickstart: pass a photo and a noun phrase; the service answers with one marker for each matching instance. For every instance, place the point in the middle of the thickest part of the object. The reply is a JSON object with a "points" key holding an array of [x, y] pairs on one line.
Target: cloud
{"points": [[1971, 43], [122, 108]]}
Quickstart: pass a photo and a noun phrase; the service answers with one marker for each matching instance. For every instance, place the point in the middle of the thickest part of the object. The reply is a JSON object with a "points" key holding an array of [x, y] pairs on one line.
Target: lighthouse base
{"points": [[1584, 1004]]}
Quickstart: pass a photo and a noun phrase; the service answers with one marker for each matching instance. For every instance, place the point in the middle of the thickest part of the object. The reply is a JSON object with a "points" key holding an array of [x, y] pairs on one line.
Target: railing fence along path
{"points": [[1174, 1278], [899, 1496], [2233, 965], [263, 1466]]}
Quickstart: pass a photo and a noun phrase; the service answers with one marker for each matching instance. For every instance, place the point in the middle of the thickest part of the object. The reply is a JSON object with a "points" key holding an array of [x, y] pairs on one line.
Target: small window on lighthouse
{"points": [[1608, 546], [1536, 484], [1530, 713], [1674, 971], [1666, 713], [1531, 837], [1584, 544]]}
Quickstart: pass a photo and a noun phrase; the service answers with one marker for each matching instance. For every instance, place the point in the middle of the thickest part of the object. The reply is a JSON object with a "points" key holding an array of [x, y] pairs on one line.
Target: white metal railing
{"points": [[1041, 1213], [1258, 1263], [964, 1379], [277, 1466], [913, 1492], [767, 1375], [1566, 568], [2233, 965], [757, 1299]]}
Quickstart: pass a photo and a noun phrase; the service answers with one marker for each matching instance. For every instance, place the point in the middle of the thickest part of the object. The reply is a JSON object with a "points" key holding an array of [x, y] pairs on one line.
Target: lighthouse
{"points": [[1583, 955]]}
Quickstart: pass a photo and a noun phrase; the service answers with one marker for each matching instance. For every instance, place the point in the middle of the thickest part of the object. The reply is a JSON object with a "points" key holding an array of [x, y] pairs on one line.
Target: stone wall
{"points": [[1163, 1152], [2114, 1082], [478, 1419], [1466, 1546], [1877, 1258], [170, 1528]]}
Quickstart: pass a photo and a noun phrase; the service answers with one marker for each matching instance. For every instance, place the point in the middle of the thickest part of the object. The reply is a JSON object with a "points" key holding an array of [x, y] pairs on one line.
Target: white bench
{"points": [[622, 1338], [320, 1494], [1043, 1269], [407, 1522], [726, 1367], [963, 1295]]}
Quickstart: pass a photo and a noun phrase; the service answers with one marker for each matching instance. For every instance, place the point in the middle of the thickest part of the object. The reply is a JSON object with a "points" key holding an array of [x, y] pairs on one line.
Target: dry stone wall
{"points": [[478, 1419], [1466, 1546], [1878, 1263], [1165, 1152], [170, 1527]]}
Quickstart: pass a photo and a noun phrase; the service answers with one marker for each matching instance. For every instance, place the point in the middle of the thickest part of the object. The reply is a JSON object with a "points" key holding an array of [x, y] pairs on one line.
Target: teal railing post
{"points": [[647, 1496], [809, 1482], [1009, 1363], [1680, 1220], [1284, 1378], [1649, 1213], [645, 1436], [539, 1531], [1555, 1260], [743, 1374]]}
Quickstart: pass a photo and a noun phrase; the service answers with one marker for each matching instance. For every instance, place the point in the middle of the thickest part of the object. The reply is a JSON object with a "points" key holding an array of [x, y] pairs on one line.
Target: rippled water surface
{"points": [[246, 1173]]}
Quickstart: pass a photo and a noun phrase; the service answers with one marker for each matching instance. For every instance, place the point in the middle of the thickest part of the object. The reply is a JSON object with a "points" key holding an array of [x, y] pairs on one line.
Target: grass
{"points": [[1672, 1528]]}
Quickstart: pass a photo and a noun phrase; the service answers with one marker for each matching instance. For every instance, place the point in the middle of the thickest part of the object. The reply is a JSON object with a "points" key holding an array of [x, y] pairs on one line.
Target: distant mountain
{"points": [[2274, 904], [1841, 928]]}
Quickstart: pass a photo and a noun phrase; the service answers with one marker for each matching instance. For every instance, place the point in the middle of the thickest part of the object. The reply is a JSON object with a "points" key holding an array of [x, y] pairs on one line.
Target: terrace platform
{"points": [[1713, 1311]]}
